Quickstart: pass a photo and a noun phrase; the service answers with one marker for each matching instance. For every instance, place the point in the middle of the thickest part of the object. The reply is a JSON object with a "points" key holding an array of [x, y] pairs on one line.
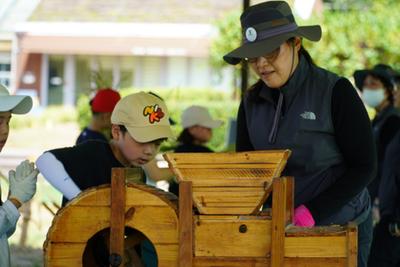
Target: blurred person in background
{"points": [[377, 89], [385, 249], [315, 113], [22, 181], [197, 125], [101, 106], [396, 80]]}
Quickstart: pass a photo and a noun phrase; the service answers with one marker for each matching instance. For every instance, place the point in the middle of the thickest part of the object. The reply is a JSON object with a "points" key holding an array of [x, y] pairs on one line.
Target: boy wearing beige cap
{"points": [[139, 125], [22, 180]]}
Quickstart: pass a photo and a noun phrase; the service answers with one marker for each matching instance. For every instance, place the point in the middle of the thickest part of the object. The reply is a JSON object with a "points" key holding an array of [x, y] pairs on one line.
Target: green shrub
{"points": [[50, 115], [220, 105]]}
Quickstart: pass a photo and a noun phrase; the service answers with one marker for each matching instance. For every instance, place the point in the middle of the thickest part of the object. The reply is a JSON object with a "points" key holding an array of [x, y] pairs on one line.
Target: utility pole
{"points": [[244, 71]]}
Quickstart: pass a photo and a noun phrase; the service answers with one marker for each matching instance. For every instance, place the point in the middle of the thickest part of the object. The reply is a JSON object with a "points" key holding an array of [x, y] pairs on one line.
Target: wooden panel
{"points": [[63, 262], [222, 237], [229, 172], [159, 224], [230, 182], [167, 254], [251, 167], [315, 262], [278, 224], [226, 210], [231, 262], [271, 156], [62, 254], [265, 262], [117, 212], [239, 182], [80, 223], [65, 250], [352, 245], [316, 246], [185, 224], [229, 200], [137, 195]]}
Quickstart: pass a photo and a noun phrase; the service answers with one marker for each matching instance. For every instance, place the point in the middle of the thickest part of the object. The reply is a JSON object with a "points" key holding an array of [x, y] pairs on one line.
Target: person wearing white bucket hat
{"points": [[197, 125], [22, 181], [315, 113]]}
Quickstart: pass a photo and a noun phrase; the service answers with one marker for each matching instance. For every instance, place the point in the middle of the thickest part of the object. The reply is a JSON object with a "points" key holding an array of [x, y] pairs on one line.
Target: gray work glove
{"points": [[23, 181]]}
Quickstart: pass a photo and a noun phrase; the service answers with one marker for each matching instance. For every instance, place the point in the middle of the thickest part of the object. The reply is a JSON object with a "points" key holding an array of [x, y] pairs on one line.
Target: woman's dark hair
{"points": [[185, 137], [303, 52]]}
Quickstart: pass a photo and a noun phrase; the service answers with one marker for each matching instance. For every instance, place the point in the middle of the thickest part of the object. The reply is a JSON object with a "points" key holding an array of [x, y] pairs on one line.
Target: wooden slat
{"points": [[231, 262], [65, 250], [316, 246], [142, 195], [278, 221], [271, 156], [289, 200], [117, 212], [227, 173], [185, 225], [228, 182], [265, 262], [226, 210], [229, 165], [332, 230], [63, 263], [222, 237], [315, 262], [352, 245]]}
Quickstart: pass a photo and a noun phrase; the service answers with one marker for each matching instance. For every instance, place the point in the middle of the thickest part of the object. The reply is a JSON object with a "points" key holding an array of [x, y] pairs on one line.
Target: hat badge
{"points": [[251, 34]]}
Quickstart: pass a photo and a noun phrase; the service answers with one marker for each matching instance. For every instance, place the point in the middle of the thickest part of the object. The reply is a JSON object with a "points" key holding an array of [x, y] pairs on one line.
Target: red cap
{"points": [[105, 100]]}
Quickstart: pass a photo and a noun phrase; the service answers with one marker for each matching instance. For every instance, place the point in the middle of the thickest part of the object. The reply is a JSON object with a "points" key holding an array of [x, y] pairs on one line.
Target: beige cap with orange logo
{"points": [[145, 116]]}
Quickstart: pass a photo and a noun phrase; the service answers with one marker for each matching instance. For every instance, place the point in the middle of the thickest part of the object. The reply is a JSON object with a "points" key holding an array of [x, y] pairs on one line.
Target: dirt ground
{"points": [[26, 256]]}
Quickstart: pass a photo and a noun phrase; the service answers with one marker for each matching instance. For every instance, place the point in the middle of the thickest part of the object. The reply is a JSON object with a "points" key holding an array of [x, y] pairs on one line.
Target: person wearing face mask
{"points": [[377, 89], [315, 113]]}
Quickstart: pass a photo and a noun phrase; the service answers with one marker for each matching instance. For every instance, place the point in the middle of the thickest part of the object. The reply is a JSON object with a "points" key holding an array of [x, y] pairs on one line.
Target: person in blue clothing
{"points": [[22, 181], [315, 113], [101, 106]]}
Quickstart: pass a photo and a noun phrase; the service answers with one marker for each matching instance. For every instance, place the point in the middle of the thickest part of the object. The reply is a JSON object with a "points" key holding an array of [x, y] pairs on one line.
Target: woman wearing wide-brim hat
{"points": [[377, 89], [313, 112]]}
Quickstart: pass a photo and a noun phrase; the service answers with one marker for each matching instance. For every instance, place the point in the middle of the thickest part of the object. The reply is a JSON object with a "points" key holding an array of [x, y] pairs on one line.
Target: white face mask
{"points": [[373, 97]]}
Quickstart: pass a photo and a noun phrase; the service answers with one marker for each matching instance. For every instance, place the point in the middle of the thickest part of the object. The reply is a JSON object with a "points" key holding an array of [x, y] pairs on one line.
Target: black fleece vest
{"points": [[305, 127]]}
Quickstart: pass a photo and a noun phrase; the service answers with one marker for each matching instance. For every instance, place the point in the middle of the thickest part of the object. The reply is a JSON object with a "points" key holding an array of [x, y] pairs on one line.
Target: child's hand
{"points": [[23, 182]]}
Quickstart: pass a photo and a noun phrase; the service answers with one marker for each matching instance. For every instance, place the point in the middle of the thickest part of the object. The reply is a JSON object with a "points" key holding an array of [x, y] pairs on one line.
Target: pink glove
{"points": [[303, 217]]}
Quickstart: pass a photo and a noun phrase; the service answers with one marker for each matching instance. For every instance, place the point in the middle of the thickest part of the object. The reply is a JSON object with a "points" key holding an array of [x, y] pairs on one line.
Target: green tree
{"points": [[355, 35]]}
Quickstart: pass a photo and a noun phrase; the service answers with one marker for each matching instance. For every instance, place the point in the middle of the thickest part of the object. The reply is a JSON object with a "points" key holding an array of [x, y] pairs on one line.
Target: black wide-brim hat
{"points": [[265, 27], [382, 71]]}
